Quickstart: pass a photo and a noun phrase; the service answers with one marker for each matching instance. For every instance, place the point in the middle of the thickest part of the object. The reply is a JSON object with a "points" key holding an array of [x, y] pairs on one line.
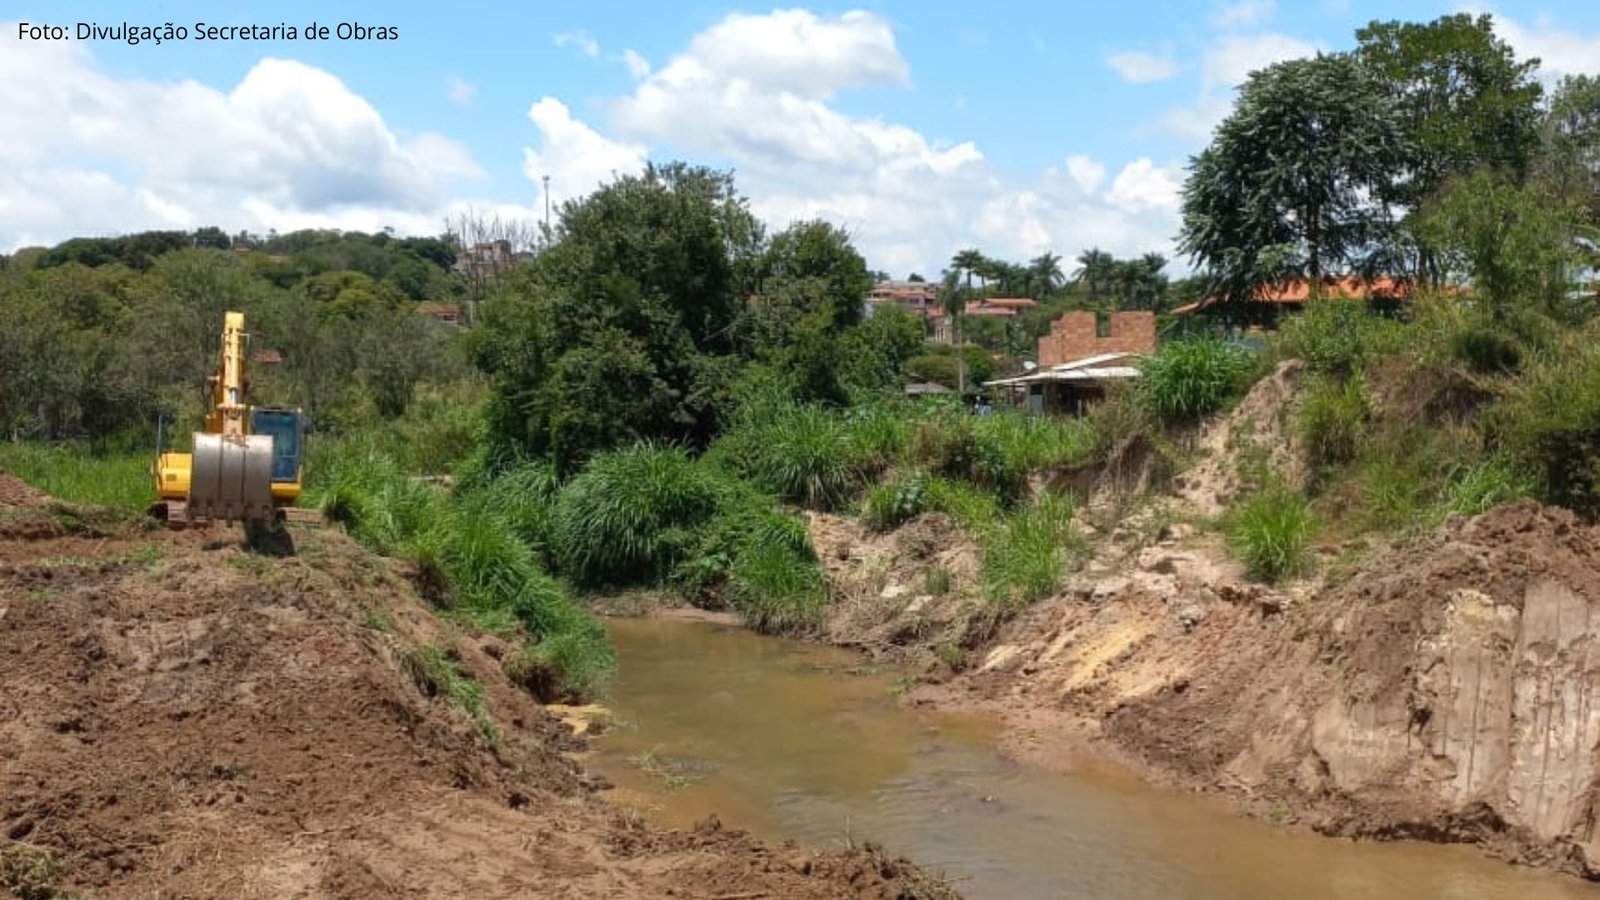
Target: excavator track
{"points": [[176, 514]]}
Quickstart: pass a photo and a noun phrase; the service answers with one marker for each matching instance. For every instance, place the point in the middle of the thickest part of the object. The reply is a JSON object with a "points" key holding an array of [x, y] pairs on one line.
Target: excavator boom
{"points": [[245, 463]]}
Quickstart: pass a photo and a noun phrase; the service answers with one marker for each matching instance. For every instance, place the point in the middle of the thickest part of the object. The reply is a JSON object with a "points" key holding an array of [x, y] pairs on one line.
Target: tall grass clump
{"points": [[973, 509], [364, 489], [1332, 419], [1032, 443], [630, 516], [877, 434], [1189, 378], [954, 446], [1270, 529], [803, 454], [525, 498], [758, 560], [80, 474], [1025, 557]]}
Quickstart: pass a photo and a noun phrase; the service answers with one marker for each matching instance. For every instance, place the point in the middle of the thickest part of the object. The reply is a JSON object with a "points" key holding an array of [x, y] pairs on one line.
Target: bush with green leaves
{"points": [[1026, 555], [952, 445], [364, 489], [1033, 443], [1334, 337], [1549, 426], [1189, 378], [757, 559], [630, 516], [1332, 418], [891, 503], [1269, 530], [525, 498]]}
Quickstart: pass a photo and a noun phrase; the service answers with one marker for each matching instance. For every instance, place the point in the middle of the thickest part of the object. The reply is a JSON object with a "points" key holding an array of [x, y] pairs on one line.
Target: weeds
{"points": [[1024, 559], [1269, 530], [29, 872], [936, 581], [892, 503], [1332, 419], [1190, 378], [77, 474]]}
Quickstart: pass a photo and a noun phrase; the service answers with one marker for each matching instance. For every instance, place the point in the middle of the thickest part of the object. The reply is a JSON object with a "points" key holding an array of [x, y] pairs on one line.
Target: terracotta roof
{"points": [[266, 357], [1299, 291], [445, 312], [1011, 302]]}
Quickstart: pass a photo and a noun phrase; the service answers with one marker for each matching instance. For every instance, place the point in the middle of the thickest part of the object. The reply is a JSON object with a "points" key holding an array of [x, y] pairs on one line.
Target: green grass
{"points": [[630, 516], [803, 454], [1025, 557], [76, 474], [437, 674], [1269, 530], [1038, 444], [1332, 419], [936, 581], [892, 503]]}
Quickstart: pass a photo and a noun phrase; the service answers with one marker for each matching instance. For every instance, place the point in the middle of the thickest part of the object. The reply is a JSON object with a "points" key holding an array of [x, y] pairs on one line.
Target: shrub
{"points": [[802, 454], [1024, 559], [775, 588], [1269, 530], [1190, 378], [877, 436], [1549, 425], [952, 446], [525, 497], [364, 489], [972, 509], [892, 503], [1332, 417], [757, 559], [629, 517], [1486, 349], [1484, 486], [1031, 443], [1335, 336]]}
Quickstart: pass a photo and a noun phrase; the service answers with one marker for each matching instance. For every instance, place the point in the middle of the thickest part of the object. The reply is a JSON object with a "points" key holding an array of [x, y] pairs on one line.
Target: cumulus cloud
{"points": [[579, 40], [577, 158], [84, 151], [756, 92], [1560, 51], [1140, 67]]}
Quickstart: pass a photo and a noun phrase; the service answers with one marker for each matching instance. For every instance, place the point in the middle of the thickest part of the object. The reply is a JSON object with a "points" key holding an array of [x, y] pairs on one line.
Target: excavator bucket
{"points": [[231, 478]]}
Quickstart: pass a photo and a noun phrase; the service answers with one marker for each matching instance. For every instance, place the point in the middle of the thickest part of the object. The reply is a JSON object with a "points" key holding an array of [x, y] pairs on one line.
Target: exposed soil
{"points": [[1445, 689], [181, 717]]}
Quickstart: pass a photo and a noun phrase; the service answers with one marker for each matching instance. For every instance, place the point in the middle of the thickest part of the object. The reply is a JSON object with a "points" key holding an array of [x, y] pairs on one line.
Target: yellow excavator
{"points": [[246, 463]]}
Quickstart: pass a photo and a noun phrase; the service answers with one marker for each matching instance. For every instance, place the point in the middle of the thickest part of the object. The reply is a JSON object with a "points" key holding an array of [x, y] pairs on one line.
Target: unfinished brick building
{"points": [[1077, 335]]}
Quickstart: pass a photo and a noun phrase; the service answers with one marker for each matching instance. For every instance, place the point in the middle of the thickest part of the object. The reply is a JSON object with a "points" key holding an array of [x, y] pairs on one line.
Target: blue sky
{"points": [[922, 127]]}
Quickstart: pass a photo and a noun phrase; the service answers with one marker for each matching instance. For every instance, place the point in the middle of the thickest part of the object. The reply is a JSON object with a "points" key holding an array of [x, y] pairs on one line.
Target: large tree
{"points": [[1569, 159], [1463, 99], [1290, 185]]}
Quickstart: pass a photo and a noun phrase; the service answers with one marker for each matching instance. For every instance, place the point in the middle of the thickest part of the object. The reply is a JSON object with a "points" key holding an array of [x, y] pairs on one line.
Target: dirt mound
{"points": [[17, 493], [181, 717], [1448, 691], [1261, 423], [910, 595]]}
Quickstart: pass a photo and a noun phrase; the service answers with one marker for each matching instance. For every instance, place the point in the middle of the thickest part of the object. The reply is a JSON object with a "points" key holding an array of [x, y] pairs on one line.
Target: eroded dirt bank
{"points": [[1444, 689], [182, 718]]}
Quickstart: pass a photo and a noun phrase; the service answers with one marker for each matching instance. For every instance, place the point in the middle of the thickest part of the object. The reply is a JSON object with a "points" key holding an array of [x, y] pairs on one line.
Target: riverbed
{"points": [[794, 740]]}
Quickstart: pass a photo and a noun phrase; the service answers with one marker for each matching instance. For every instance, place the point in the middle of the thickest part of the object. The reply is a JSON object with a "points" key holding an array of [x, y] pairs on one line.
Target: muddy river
{"points": [[792, 740]]}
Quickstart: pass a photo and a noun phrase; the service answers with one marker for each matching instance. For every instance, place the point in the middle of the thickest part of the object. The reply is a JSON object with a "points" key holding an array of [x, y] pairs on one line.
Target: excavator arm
{"points": [[233, 474]]}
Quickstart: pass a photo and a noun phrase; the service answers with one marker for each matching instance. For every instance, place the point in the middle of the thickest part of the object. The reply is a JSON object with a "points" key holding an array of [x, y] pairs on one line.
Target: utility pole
{"points": [[547, 209]]}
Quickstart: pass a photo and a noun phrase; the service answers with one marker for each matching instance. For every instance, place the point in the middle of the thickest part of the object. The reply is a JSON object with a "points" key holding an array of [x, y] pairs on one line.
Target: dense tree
{"points": [[1569, 159], [1290, 184], [1462, 98], [821, 251]]}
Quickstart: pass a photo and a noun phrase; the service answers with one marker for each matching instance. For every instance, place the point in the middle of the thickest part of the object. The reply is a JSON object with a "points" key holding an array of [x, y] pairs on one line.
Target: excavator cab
{"points": [[287, 428]]}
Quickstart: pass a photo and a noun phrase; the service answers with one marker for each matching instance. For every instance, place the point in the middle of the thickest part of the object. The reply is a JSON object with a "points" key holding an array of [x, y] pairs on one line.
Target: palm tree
{"points": [[1046, 271], [1095, 268]]}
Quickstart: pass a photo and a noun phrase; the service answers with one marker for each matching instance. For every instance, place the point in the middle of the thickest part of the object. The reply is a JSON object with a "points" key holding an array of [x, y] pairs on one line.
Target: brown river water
{"points": [[793, 740]]}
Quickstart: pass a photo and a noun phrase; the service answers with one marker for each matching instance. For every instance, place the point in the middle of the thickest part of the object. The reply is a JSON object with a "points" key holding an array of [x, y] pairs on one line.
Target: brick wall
{"points": [[1074, 336]]}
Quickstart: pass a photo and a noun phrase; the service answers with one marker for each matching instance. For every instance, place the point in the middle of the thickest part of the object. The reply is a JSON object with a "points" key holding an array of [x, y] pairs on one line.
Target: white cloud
{"points": [[84, 152], [581, 40], [1086, 172], [577, 158], [1140, 67], [460, 89], [1142, 185], [1224, 68], [637, 65], [1243, 13], [1560, 51], [754, 92]]}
